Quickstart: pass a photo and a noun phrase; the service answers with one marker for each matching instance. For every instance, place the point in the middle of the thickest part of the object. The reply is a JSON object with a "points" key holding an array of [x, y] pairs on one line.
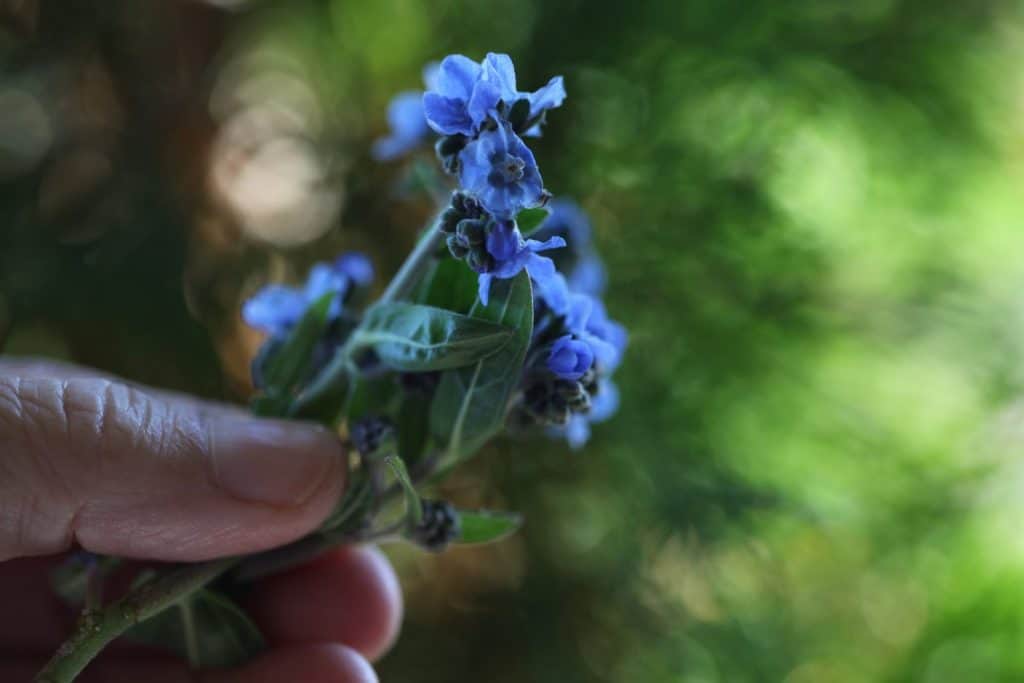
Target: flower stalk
{"points": [[96, 628]]}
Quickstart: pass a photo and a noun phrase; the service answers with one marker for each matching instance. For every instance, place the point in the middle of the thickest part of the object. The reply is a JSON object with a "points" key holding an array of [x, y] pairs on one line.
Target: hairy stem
{"points": [[97, 628]]}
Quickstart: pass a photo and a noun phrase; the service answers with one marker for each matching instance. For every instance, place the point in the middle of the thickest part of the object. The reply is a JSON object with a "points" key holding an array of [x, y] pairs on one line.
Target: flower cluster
{"points": [[567, 382], [494, 248], [482, 119], [276, 309], [482, 114]]}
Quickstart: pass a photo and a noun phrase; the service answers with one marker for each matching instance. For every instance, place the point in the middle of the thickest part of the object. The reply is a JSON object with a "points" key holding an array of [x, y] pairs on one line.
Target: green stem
{"points": [[291, 555], [188, 624], [415, 265], [97, 628]]}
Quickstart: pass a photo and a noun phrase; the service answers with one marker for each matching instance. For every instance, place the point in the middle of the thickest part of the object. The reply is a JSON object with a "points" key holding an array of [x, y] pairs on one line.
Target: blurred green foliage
{"points": [[812, 217]]}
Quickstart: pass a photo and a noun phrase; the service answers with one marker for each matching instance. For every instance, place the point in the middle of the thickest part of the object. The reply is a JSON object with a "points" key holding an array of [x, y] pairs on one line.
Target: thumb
{"points": [[127, 471]]}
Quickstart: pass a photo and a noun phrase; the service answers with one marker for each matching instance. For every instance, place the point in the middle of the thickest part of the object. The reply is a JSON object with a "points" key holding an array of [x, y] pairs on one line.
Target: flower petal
{"points": [[483, 102], [498, 69], [456, 77], [550, 96], [356, 267], [503, 241], [484, 287], [605, 403], [446, 115], [549, 283], [274, 309]]}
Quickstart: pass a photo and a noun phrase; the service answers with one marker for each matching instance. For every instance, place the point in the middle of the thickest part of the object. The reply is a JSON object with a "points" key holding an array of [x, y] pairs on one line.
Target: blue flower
{"points": [[500, 170], [356, 267], [588, 319], [510, 254], [499, 71], [447, 104], [407, 121], [408, 127], [603, 405], [276, 308], [581, 264], [570, 358], [465, 94]]}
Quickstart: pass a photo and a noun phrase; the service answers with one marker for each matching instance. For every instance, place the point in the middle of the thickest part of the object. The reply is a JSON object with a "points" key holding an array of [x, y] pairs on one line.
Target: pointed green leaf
{"points": [[470, 404], [206, 629], [529, 220], [416, 338], [289, 363], [482, 526]]}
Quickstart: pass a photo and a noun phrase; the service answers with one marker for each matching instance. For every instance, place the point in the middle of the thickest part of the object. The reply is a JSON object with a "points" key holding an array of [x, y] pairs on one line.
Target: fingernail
{"points": [[272, 461]]}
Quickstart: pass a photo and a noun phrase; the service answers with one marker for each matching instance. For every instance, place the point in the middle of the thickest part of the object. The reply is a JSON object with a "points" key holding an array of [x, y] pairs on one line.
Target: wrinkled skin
{"points": [[90, 461]]}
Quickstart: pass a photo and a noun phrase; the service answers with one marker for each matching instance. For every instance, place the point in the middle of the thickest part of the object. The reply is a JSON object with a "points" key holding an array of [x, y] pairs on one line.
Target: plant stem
{"points": [[97, 628], [188, 623], [414, 266]]}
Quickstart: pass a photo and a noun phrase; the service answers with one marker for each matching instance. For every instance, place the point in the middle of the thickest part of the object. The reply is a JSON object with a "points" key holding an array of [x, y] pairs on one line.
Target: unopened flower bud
{"points": [[438, 527], [473, 230], [368, 433], [457, 246]]}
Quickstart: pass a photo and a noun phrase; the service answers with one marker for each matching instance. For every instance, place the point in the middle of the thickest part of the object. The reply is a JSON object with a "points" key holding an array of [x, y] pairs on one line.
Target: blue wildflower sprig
{"points": [[277, 309], [479, 109], [424, 376]]}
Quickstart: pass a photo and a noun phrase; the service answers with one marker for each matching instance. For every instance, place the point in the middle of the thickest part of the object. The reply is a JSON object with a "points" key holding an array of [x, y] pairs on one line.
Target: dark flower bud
{"points": [[519, 114], [479, 260], [546, 402], [457, 246], [450, 220], [450, 144], [473, 230], [447, 150], [438, 527], [369, 433]]}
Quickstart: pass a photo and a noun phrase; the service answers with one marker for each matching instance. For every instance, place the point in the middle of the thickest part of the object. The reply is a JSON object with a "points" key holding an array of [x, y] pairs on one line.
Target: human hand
{"points": [[88, 460]]}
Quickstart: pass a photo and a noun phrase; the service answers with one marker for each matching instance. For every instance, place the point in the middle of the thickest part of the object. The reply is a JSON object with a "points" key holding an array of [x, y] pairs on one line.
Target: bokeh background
{"points": [[812, 215]]}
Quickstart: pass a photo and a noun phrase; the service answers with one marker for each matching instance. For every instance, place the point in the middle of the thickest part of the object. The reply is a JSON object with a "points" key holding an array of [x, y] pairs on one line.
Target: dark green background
{"points": [[812, 216]]}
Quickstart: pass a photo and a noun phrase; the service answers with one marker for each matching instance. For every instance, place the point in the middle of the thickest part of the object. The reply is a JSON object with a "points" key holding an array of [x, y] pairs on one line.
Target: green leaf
{"points": [[529, 220], [413, 506], [373, 396], [290, 364], [482, 526], [206, 629], [451, 285], [470, 404], [416, 338]]}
